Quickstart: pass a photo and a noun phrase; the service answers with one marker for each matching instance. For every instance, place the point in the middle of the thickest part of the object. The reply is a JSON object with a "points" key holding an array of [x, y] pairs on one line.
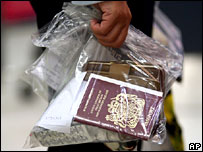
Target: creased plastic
{"points": [[121, 96]]}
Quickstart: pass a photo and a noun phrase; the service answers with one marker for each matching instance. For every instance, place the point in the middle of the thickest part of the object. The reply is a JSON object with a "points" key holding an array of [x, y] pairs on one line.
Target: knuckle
{"points": [[96, 35], [116, 45], [95, 30], [110, 39], [101, 42], [105, 31], [130, 15]]}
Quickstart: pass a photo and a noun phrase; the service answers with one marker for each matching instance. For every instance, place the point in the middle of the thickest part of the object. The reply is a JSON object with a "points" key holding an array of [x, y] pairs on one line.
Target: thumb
{"points": [[94, 25]]}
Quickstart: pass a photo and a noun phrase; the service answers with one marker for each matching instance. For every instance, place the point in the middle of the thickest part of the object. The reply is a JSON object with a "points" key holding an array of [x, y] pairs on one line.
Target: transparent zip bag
{"points": [[166, 32], [63, 39], [127, 88], [76, 35], [86, 132]]}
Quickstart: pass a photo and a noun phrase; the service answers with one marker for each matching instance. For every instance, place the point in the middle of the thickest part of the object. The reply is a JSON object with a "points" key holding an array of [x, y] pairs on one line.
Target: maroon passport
{"points": [[121, 108]]}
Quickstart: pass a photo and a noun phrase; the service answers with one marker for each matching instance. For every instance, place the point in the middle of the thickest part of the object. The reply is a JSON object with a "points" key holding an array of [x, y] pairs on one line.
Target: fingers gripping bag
{"points": [[105, 94]]}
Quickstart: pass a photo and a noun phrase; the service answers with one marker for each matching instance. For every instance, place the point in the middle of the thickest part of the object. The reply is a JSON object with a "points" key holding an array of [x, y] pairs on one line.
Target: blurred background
{"points": [[21, 108]]}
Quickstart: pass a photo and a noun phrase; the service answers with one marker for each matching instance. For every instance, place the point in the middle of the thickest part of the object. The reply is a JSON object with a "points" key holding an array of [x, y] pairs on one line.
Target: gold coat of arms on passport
{"points": [[125, 110]]}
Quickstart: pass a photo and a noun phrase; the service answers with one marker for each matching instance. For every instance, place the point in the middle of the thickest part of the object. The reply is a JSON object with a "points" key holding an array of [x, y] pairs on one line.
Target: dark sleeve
{"points": [[142, 15], [45, 11]]}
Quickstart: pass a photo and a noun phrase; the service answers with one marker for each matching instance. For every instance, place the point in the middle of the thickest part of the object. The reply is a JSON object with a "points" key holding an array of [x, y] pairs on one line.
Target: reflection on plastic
{"points": [[71, 50]]}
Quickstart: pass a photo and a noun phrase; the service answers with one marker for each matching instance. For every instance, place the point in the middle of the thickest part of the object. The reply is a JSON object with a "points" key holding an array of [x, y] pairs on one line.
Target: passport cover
{"points": [[119, 106]]}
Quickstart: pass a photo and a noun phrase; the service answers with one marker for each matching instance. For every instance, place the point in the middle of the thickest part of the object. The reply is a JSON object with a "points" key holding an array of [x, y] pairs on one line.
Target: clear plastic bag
{"points": [[63, 37], [121, 89], [166, 32], [79, 134]]}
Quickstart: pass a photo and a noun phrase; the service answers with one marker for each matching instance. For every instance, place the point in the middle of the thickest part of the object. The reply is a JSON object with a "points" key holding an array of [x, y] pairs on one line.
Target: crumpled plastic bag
{"points": [[72, 50]]}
